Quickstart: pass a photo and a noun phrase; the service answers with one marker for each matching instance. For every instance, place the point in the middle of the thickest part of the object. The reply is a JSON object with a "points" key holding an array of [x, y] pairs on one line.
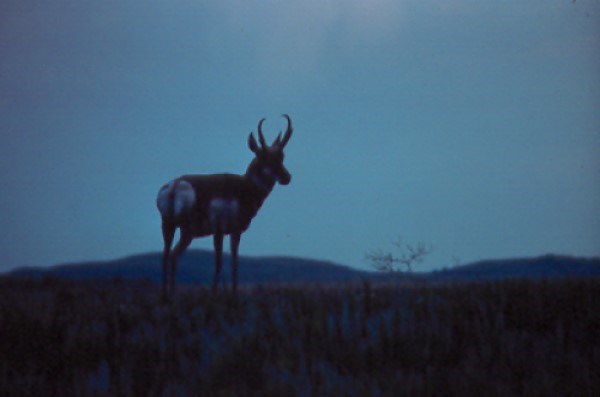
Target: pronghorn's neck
{"points": [[262, 177]]}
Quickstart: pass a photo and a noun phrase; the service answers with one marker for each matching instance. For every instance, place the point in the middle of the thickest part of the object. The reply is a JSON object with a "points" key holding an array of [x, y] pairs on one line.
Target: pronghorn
{"points": [[219, 205]]}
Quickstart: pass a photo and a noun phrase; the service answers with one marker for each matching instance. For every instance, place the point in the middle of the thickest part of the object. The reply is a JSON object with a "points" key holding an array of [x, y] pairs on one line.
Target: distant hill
{"points": [[197, 266], [547, 266]]}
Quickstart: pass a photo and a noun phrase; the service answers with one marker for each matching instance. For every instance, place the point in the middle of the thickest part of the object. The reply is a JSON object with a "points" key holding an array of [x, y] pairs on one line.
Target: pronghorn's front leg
{"points": [[234, 241], [168, 231], [218, 243]]}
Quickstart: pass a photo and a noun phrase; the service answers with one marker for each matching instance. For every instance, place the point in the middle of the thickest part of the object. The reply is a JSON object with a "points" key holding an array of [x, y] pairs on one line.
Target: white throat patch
{"points": [[269, 172], [264, 178]]}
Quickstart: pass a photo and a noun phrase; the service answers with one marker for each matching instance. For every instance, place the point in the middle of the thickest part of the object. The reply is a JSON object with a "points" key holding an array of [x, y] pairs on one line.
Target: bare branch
{"points": [[408, 255]]}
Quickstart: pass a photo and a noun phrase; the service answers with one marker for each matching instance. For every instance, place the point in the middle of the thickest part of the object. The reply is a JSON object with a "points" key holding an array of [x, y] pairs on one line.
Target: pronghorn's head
{"points": [[267, 167]]}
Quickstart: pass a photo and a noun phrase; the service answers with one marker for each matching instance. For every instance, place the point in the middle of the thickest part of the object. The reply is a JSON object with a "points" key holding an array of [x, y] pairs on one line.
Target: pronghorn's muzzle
{"points": [[284, 177]]}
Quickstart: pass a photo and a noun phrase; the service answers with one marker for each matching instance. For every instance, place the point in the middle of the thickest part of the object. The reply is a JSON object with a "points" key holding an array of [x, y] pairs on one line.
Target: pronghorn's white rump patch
{"points": [[162, 200], [223, 213], [184, 199], [175, 198]]}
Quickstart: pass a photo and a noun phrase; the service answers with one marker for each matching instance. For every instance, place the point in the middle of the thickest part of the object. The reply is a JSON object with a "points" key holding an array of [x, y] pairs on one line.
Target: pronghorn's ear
{"points": [[252, 144]]}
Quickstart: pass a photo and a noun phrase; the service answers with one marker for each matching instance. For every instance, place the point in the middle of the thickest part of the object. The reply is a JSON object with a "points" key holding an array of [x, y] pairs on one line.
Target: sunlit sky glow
{"points": [[471, 126]]}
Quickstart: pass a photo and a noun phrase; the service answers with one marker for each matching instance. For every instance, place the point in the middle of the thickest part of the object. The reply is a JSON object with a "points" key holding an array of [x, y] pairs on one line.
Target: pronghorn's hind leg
{"points": [[168, 231], [184, 241], [175, 202]]}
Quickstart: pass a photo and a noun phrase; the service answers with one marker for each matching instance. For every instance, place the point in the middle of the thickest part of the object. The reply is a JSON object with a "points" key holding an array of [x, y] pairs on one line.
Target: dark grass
{"points": [[506, 338]]}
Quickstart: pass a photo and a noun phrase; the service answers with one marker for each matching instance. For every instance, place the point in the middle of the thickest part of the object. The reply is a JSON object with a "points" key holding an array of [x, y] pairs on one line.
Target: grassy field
{"points": [[509, 338]]}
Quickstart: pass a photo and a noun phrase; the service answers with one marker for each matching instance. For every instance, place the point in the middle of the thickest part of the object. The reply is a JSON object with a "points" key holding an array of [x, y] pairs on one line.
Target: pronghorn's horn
{"points": [[277, 141], [261, 138], [288, 133]]}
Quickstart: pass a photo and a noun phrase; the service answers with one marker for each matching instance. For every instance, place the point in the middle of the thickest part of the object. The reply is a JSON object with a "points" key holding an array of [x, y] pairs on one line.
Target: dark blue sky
{"points": [[471, 126]]}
